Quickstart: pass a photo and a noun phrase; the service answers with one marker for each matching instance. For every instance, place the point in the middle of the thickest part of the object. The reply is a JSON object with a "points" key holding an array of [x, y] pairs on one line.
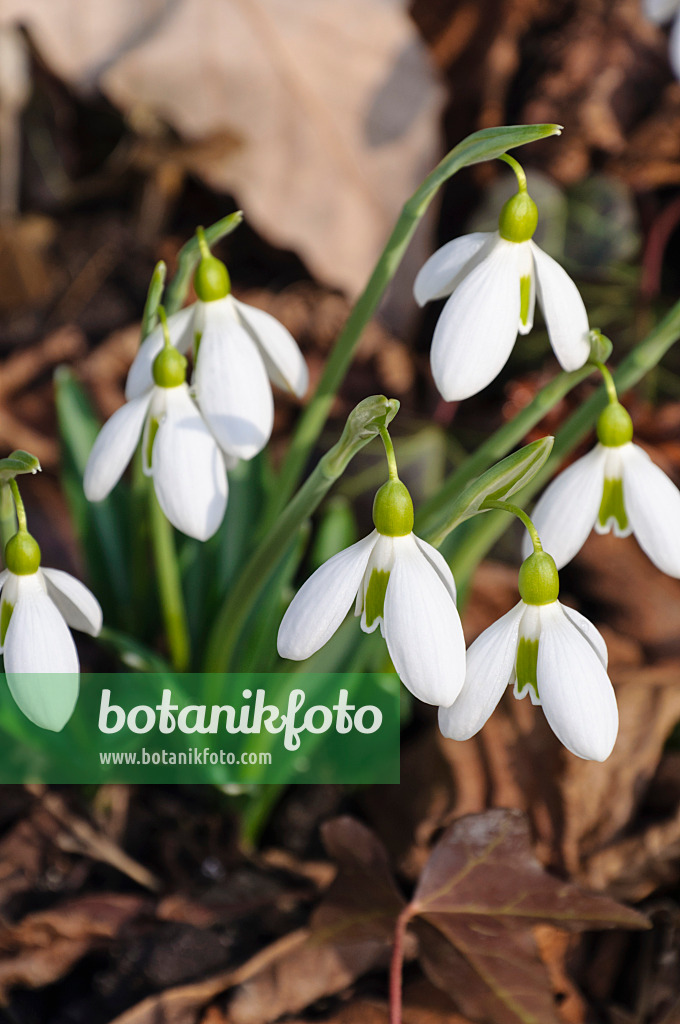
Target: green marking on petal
{"points": [[524, 297], [153, 430], [375, 596], [5, 615], [612, 506], [527, 660], [197, 341]]}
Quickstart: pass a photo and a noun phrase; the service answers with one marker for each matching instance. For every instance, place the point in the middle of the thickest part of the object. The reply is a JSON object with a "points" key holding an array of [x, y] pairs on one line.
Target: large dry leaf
{"points": [[327, 108]]}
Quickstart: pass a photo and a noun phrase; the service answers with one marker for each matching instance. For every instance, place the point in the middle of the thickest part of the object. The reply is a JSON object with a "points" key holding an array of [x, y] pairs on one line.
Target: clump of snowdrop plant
{"points": [[546, 650], [397, 582], [616, 486], [37, 607], [493, 279]]}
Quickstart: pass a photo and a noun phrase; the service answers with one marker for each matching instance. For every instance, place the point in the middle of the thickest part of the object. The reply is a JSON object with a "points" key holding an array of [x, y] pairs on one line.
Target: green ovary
{"points": [[612, 506], [374, 605], [524, 297], [5, 615], [527, 660]]}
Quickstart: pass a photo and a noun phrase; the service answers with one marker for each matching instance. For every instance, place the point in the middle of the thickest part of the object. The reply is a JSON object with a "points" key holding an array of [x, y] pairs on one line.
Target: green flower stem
{"points": [[609, 384], [169, 585], [497, 446], [153, 298], [363, 424], [8, 518], [19, 505], [481, 534], [389, 452], [517, 168], [519, 513], [189, 256], [476, 148]]}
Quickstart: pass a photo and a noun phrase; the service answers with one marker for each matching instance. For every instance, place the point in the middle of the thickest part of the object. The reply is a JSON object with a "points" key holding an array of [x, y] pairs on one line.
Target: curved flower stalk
{"points": [[237, 350], [616, 486], [661, 11], [546, 650], [398, 582], [493, 279], [37, 607], [179, 450]]}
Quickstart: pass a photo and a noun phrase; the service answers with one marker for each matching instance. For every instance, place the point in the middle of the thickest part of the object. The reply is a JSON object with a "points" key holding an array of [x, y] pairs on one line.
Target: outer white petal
{"points": [[567, 510], [140, 376], [444, 269], [283, 359], [652, 503], [77, 604], [438, 563], [490, 668], [422, 627], [41, 661], [660, 10], [3, 577], [590, 632], [231, 384], [674, 46], [322, 603], [188, 469], [114, 448], [577, 696], [563, 310], [477, 328]]}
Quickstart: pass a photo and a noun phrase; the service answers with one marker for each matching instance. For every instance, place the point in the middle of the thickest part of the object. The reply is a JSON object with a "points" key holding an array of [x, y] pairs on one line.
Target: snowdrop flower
{"points": [[661, 11], [178, 450], [398, 582], [493, 279], [548, 651], [237, 350], [616, 486], [37, 606]]}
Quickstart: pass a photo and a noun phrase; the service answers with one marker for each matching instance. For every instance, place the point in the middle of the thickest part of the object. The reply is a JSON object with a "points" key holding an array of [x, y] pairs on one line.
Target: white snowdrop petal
{"points": [[477, 328], [232, 387], [114, 447], [41, 661], [444, 269], [78, 605], [3, 577], [674, 46], [323, 601], [490, 668], [660, 10], [577, 696], [652, 503], [140, 375], [439, 563], [563, 310], [187, 468], [422, 627], [566, 512], [590, 632], [283, 359]]}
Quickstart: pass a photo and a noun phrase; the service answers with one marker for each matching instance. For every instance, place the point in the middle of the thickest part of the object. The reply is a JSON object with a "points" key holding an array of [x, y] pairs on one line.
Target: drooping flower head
{"points": [[548, 651], [493, 279], [179, 450], [37, 607], [237, 350], [397, 582], [616, 486]]}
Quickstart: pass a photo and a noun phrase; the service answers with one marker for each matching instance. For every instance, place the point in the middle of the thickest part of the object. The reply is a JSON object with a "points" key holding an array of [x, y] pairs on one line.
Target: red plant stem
{"points": [[397, 965], [658, 238]]}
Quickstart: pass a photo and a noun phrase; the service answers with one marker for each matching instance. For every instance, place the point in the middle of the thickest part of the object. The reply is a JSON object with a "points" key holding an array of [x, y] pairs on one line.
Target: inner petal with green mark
{"points": [[374, 603], [524, 298], [525, 667], [6, 610], [612, 509], [150, 438], [197, 341]]}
